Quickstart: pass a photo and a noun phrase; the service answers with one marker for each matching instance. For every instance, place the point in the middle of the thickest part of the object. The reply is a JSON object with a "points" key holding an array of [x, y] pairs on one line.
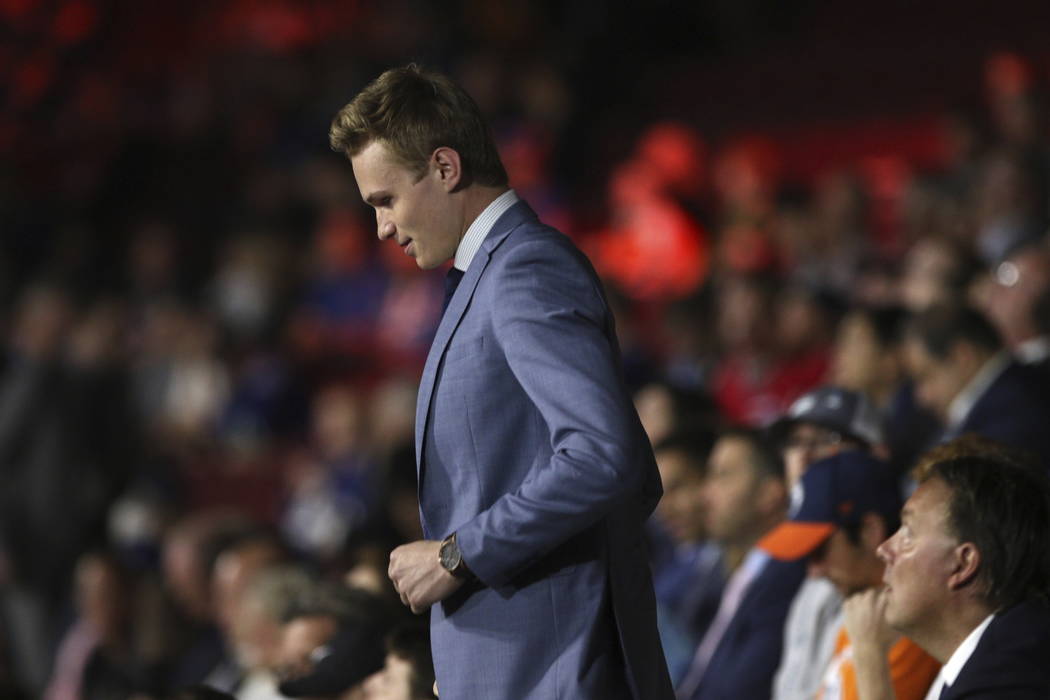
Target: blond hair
{"points": [[414, 111]]}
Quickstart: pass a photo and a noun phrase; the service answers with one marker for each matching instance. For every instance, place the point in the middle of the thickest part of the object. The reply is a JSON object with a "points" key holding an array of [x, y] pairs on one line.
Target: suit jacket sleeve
{"points": [[552, 325]]}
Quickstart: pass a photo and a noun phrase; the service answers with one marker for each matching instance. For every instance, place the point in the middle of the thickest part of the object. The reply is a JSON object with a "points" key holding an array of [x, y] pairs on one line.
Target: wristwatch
{"points": [[452, 559]]}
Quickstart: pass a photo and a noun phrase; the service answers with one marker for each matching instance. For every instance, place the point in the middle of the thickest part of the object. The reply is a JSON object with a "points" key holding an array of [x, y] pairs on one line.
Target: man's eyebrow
{"points": [[375, 197]]}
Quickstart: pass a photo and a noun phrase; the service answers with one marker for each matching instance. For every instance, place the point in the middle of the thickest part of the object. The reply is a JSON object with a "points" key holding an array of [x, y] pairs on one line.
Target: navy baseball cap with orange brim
{"points": [[833, 493]]}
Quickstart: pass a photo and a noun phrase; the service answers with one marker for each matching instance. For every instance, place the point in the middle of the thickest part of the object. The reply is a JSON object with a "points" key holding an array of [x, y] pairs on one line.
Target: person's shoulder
{"points": [[1026, 624], [529, 235], [1019, 381], [527, 241], [778, 583], [1013, 653]]}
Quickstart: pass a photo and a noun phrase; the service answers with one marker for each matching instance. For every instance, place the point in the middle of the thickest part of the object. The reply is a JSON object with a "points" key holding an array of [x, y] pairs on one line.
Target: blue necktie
{"points": [[944, 691], [452, 281]]}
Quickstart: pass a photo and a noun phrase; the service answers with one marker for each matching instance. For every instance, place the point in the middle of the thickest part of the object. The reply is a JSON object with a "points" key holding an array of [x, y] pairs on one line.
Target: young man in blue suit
{"points": [[535, 476], [968, 577]]}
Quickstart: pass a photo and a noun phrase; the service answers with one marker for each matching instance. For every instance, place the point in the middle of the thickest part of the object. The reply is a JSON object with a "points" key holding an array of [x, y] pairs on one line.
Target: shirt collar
{"points": [[989, 372], [950, 671], [480, 228], [1033, 350]]}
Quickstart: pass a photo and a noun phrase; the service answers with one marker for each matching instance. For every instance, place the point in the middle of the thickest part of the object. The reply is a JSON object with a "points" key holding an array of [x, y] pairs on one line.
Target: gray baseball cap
{"points": [[842, 410]]}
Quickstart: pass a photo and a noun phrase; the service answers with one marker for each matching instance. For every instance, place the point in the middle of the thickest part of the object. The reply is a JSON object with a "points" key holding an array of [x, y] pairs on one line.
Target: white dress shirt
{"points": [[950, 671], [479, 229], [963, 403]]}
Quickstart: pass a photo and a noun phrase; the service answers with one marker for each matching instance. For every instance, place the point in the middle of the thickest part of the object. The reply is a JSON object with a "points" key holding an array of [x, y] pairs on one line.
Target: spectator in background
{"points": [[1016, 284], [97, 658], [269, 597], [687, 574], [869, 358], [408, 671], [1010, 208], [330, 643], [936, 270], [245, 637], [968, 576], [755, 381], [67, 445], [823, 423], [846, 507], [745, 497], [805, 318], [667, 409], [964, 375], [866, 357], [825, 242], [332, 482], [188, 556]]}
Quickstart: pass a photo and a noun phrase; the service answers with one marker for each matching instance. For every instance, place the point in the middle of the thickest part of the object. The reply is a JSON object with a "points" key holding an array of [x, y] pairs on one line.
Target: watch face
{"points": [[450, 556]]}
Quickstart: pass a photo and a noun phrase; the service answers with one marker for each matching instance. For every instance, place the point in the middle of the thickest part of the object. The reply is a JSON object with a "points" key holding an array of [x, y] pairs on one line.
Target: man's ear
{"points": [[445, 164], [967, 562]]}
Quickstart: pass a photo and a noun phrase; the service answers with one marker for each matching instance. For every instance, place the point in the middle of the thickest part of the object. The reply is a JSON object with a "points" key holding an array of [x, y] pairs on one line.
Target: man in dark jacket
{"points": [[968, 576]]}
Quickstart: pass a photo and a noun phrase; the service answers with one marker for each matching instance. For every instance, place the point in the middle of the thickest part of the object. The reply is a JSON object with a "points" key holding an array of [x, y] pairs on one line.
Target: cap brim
{"points": [[790, 541]]}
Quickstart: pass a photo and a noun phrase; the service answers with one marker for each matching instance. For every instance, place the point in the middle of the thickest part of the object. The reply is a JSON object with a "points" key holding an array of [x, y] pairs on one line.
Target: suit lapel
{"points": [[454, 314]]}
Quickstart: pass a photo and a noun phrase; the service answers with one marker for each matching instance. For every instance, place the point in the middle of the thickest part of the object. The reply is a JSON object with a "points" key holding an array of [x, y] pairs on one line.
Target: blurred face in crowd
{"points": [[681, 509], [234, 569], [256, 636], [858, 361], [300, 638], [418, 213], [808, 442], [927, 267], [800, 322], [743, 314], [738, 499], [393, 682], [919, 560], [1017, 283], [939, 380], [851, 566]]}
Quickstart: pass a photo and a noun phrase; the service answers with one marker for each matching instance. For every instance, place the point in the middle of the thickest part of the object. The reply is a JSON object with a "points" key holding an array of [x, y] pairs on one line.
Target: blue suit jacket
{"points": [[1012, 410], [743, 665], [1012, 660], [530, 449]]}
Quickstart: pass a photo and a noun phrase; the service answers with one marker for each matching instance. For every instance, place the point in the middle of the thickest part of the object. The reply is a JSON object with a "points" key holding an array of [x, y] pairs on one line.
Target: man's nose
{"points": [[883, 551], [384, 227]]}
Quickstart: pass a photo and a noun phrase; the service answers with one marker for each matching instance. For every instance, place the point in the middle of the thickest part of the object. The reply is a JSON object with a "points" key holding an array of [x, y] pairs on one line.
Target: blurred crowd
{"points": [[207, 390]]}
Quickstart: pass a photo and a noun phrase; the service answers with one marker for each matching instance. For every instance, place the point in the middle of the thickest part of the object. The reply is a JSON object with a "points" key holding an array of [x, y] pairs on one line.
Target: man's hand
{"points": [[871, 637], [418, 576], [865, 618]]}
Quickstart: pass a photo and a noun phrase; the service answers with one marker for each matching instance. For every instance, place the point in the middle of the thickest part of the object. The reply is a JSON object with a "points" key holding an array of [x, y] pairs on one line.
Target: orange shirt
{"points": [[912, 671]]}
